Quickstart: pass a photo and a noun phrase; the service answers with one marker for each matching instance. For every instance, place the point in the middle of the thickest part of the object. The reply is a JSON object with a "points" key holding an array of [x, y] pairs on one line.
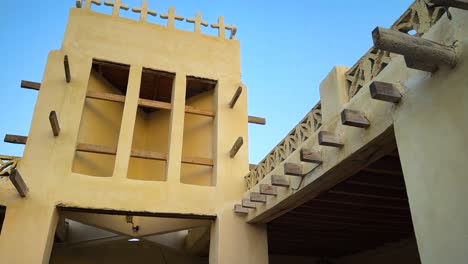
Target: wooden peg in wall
{"points": [[54, 123], [354, 118], [292, 168], [330, 139], [235, 97], [235, 148], [311, 156], [384, 92], [66, 65]]}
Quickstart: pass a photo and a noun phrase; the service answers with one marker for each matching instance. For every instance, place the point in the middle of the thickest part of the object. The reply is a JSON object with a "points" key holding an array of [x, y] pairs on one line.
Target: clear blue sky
{"points": [[287, 48]]}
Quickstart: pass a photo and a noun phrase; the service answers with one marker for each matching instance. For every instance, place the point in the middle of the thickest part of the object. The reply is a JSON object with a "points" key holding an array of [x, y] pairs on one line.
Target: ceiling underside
{"points": [[364, 212], [155, 85]]}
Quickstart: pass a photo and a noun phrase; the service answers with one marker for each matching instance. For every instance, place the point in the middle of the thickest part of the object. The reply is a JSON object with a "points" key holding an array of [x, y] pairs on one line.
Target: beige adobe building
{"points": [[137, 151]]}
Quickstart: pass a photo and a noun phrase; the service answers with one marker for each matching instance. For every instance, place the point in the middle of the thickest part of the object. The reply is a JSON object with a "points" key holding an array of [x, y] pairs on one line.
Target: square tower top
{"points": [[166, 48]]}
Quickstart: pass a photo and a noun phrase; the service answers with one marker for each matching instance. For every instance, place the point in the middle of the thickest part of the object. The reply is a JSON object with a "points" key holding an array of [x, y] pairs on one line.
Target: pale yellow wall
{"points": [[198, 140], [431, 127], [47, 162], [28, 231], [99, 125], [194, 55], [151, 133], [333, 93], [232, 241]]}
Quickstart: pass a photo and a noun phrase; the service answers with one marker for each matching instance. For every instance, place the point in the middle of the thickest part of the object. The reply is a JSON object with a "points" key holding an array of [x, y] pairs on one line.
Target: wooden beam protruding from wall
{"points": [[258, 197], [461, 4], [15, 139], [235, 148], [66, 65], [54, 123], [330, 139], [384, 92], [30, 85], [279, 180], [257, 120], [240, 210], [235, 97], [18, 182], [311, 156], [354, 118], [248, 204], [295, 169], [268, 189], [420, 54]]}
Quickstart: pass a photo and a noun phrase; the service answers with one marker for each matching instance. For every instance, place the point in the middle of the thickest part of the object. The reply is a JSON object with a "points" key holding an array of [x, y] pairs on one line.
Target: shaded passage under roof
{"points": [[366, 211]]}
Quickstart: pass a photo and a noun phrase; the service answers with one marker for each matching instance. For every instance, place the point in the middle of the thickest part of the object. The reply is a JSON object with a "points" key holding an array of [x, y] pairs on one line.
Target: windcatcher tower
{"points": [[135, 119]]}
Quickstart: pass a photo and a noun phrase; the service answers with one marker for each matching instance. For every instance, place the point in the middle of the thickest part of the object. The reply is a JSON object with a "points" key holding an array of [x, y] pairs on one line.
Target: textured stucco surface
{"points": [[47, 161], [431, 126]]}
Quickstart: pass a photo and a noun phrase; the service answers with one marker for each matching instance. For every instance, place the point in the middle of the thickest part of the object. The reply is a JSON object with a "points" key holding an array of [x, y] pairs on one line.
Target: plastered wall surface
{"points": [[230, 236], [431, 127], [100, 125], [430, 124], [195, 55], [198, 141], [47, 162]]}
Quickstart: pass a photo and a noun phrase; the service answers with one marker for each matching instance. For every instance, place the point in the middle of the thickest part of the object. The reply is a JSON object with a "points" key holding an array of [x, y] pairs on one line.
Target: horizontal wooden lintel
{"points": [[106, 150], [121, 99], [143, 154]]}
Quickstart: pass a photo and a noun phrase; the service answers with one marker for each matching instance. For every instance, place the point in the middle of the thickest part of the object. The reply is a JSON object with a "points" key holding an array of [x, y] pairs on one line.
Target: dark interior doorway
{"points": [[2, 216]]}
